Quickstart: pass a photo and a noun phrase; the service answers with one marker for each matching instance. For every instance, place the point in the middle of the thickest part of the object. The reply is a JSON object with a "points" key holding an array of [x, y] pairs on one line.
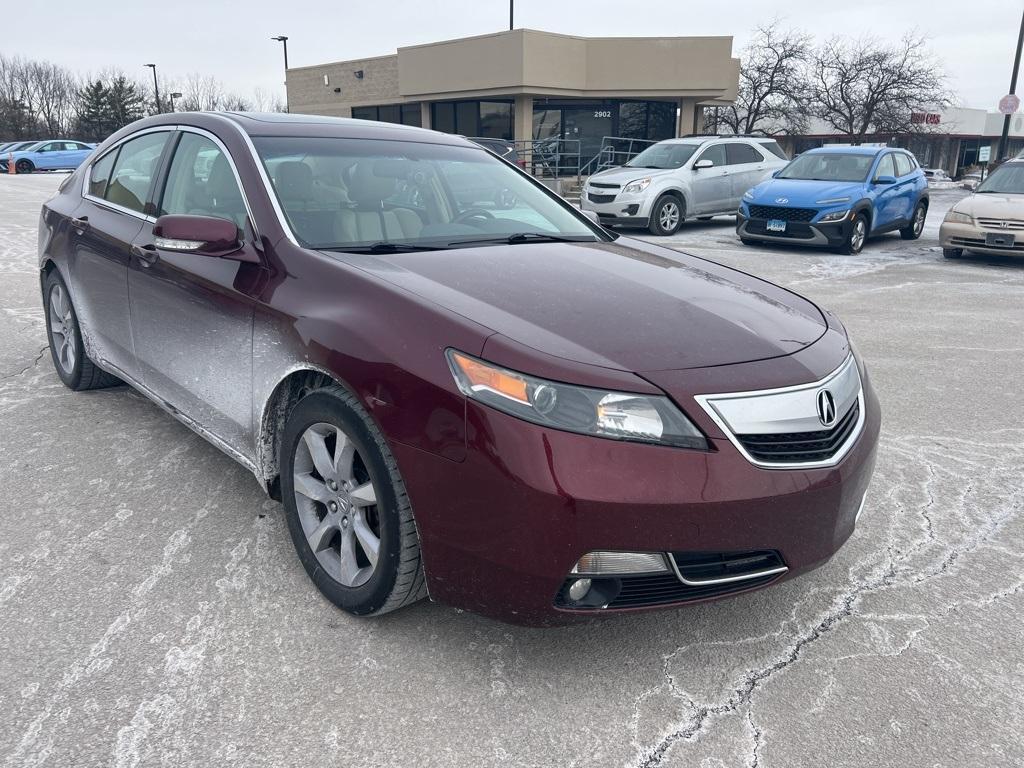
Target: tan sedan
{"points": [[992, 219]]}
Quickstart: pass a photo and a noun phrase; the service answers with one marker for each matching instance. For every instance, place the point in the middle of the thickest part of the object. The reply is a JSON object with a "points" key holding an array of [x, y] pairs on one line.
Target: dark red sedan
{"points": [[457, 384]]}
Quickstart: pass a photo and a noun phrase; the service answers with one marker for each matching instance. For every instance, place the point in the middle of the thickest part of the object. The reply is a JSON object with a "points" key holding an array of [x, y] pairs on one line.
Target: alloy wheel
{"points": [[669, 216], [337, 504], [858, 235], [919, 220], [62, 329]]}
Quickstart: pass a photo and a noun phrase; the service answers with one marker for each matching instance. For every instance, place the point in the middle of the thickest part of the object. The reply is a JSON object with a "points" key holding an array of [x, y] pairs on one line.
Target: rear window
{"points": [[738, 153], [904, 164], [774, 148]]}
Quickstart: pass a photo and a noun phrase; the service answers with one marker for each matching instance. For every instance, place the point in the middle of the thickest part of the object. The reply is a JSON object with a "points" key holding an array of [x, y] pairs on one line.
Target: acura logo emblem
{"points": [[781, 200], [826, 408]]}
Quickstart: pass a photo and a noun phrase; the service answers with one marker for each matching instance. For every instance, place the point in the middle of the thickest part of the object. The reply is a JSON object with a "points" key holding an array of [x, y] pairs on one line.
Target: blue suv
{"points": [[837, 197]]}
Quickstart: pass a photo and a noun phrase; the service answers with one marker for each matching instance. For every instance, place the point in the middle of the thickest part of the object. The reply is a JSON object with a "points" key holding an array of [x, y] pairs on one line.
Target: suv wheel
{"points": [[913, 230], [667, 215], [857, 236]]}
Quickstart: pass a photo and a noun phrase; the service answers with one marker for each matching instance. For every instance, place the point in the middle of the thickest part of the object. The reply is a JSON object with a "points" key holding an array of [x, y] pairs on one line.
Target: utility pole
{"points": [[283, 39], [1013, 90], [156, 89], [511, 14]]}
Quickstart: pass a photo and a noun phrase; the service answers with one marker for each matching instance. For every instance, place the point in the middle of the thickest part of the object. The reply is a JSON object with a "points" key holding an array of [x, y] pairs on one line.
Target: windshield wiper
{"points": [[525, 237], [382, 247]]}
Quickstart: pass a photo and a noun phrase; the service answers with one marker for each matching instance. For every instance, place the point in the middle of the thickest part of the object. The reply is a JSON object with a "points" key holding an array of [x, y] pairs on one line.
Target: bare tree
{"points": [[264, 101], [865, 87], [200, 94], [772, 93]]}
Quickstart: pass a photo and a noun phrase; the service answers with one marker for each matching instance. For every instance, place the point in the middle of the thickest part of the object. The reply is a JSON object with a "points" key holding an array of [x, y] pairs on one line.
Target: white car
{"points": [[677, 179], [936, 176]]}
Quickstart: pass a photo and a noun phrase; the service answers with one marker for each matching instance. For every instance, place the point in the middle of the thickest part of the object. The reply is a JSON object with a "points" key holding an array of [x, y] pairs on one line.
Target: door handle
{"points": [[80, 224], [146, 254]]}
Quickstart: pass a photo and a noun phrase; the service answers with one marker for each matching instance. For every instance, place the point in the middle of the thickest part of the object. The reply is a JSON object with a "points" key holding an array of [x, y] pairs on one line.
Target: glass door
{"points": [[588, 125]]}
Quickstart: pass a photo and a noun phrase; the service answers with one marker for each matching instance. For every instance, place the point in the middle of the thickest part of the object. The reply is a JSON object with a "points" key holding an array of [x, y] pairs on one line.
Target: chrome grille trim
{"points": [[787, 410], [1001, 223]]}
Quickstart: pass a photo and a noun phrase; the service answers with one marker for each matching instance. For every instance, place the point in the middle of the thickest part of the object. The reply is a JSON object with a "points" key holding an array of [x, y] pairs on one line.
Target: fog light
{"points": [[578, 589], [604, 562]]}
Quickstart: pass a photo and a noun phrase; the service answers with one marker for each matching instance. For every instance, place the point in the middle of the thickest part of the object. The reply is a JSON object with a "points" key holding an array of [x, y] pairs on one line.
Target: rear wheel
{"points": [[916, 226], [73, 366], [666, 216], [24, 166], [857, 236], [348, 512]]}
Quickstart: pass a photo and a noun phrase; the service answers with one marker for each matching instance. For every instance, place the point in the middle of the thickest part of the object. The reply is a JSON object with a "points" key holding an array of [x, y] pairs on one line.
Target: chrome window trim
{"points": [[707, 403], [116, 145]]}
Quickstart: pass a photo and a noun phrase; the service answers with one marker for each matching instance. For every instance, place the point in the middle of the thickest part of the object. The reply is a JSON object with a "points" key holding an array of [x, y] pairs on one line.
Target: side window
{"points": [[53, 146], [774, 148], [904, 165], [715, 154], [200, 182], [99, 174], [738, 153], [886, 167], [134, 170]]}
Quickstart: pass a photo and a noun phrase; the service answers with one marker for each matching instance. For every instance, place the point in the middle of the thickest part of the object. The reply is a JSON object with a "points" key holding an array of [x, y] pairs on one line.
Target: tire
{"points": [[667, 215], [73, 365], [858, 235], [952, 253], [24, 166], [916, 226], [366, 506]]}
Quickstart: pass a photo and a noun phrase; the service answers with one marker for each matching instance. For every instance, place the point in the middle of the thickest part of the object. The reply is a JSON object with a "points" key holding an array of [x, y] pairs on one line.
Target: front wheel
{"points": [[348, 512], [856, 237], [24, 166], [73, 365], [916, 226], [666, 216]]}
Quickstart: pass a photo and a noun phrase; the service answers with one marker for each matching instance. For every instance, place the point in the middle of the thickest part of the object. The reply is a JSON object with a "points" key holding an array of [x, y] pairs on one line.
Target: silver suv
{"points": [[677, 179]]}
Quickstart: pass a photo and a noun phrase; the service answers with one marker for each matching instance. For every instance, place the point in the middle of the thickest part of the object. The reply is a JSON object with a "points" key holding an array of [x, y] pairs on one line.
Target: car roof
{"points": [[288, 124], [847, 150]]}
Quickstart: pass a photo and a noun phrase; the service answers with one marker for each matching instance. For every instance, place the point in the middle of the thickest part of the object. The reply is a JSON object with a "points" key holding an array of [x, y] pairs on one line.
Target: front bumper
{"points": [[970, 237], [617, 209], [831, 235], [501, 530]]}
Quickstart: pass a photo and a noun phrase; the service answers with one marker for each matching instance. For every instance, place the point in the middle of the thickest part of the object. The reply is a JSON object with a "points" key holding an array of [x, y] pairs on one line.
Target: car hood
{"points": [[992, 205], [625, 305], [625, 175], [798, 192]]}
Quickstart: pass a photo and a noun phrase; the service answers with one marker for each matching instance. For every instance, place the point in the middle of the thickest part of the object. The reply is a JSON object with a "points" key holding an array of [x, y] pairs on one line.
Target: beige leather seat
{"points": [[370, 221]]}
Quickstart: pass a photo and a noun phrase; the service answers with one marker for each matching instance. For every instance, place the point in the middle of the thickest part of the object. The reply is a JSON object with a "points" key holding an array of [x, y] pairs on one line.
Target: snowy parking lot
{"points": [[153, 612]]}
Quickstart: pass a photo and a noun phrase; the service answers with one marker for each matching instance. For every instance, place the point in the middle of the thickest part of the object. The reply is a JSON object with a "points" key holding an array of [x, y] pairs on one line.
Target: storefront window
{"points": [[496, 120], [547, 123], [443, 118], [491, 119], [407, 114], [633, 120], [661, 120]]}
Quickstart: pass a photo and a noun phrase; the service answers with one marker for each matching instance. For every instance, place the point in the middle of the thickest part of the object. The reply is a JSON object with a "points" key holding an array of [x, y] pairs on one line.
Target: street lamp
{"points": [[283, 39], [156, 89], [174, 96]]}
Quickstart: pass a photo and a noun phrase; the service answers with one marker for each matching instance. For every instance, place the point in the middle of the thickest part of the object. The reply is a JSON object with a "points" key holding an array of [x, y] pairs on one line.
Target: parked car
{"points": [[677, 179], [992, 219], [970, 180], [936, 176], [15, 146], [837, 197], [56, 155], [445, 398]]}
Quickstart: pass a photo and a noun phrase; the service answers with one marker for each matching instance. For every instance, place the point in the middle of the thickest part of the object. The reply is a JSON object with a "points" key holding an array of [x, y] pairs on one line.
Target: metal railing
{"points": [[549, 158], [615, 151]]}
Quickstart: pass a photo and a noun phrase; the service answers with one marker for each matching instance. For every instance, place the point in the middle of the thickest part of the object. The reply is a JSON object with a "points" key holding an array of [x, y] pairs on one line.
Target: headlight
{"points": [[637, 186], [834, 216], [955, 217], [616, 415], [748, 195]]}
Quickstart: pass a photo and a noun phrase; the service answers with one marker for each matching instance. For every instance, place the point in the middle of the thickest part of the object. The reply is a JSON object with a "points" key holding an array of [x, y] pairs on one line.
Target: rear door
{"points": [[192, 315], [104, 226], [747, 166], [711, 187], [906, 186]]}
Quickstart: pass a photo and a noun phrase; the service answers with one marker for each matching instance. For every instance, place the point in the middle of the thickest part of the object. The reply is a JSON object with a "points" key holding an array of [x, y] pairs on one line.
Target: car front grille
{"points": [[782, 213], [719, 571], [599, 185], [600, 198], [978, 243], [802, 446], [1010, 224], [795, 230]]}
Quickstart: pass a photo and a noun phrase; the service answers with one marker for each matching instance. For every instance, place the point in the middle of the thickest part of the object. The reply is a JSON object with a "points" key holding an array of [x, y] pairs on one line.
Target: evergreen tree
{"points": [[125, 102], [93, 118]]}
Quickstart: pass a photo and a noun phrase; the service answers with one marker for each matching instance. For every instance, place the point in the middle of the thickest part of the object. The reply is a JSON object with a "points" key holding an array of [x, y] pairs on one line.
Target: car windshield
{"points": [[829, 166], [358, 194], [1006, 180], [664, 155]]}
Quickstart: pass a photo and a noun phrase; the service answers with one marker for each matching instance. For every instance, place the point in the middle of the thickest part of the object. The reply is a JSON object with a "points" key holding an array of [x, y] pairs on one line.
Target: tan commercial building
{"points": [[527, 85]]}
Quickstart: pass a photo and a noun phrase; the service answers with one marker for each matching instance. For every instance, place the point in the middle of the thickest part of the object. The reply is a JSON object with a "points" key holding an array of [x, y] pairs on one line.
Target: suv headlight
{"points": [[637, 186], [834, 216], [598, 412], [956, 217]]}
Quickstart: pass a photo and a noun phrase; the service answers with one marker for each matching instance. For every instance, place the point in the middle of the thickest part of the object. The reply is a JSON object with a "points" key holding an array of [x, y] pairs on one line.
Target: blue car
{"points": [[49, 155], [837, 197]]}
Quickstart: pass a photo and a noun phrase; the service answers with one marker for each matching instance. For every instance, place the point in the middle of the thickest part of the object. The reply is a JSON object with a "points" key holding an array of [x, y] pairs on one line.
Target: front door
{"points": [[588, 126], [712, 186], [887, 202], [192, 315]]}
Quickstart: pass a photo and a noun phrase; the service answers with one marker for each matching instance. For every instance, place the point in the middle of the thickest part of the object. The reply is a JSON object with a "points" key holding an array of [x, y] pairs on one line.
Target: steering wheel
{"points": [[472, 213]]}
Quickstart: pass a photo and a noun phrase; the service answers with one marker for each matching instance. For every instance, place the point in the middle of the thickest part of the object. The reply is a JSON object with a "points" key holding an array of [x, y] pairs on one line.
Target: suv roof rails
{"points": [[726, 136]]}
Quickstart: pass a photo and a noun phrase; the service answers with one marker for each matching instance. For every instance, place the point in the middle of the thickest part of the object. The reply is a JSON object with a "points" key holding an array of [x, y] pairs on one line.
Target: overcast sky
{"points": [[974, 38]]}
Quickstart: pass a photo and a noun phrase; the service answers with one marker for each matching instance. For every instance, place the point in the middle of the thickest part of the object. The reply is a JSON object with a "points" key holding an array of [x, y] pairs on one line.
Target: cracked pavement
{"points": [[152, 610]]}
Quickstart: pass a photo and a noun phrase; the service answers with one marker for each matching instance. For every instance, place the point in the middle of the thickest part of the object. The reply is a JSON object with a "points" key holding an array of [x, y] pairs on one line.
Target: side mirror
{"points": [[775, 173], [202, 235], [885, 180], [703, 164]]}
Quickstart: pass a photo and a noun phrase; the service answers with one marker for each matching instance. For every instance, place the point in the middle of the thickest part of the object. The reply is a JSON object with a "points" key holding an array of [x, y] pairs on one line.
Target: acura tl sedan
{"points": [[506, 409]]}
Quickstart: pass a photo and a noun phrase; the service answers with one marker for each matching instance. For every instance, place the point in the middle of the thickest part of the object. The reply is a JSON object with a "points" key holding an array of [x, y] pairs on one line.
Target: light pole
{"points": [[174, 96], [511, 14], [1013, 90], [156, 89], [283, 39]]}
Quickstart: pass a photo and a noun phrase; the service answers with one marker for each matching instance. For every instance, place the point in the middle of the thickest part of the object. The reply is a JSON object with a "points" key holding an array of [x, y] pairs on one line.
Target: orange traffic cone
{"points": [[10, 163]]}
